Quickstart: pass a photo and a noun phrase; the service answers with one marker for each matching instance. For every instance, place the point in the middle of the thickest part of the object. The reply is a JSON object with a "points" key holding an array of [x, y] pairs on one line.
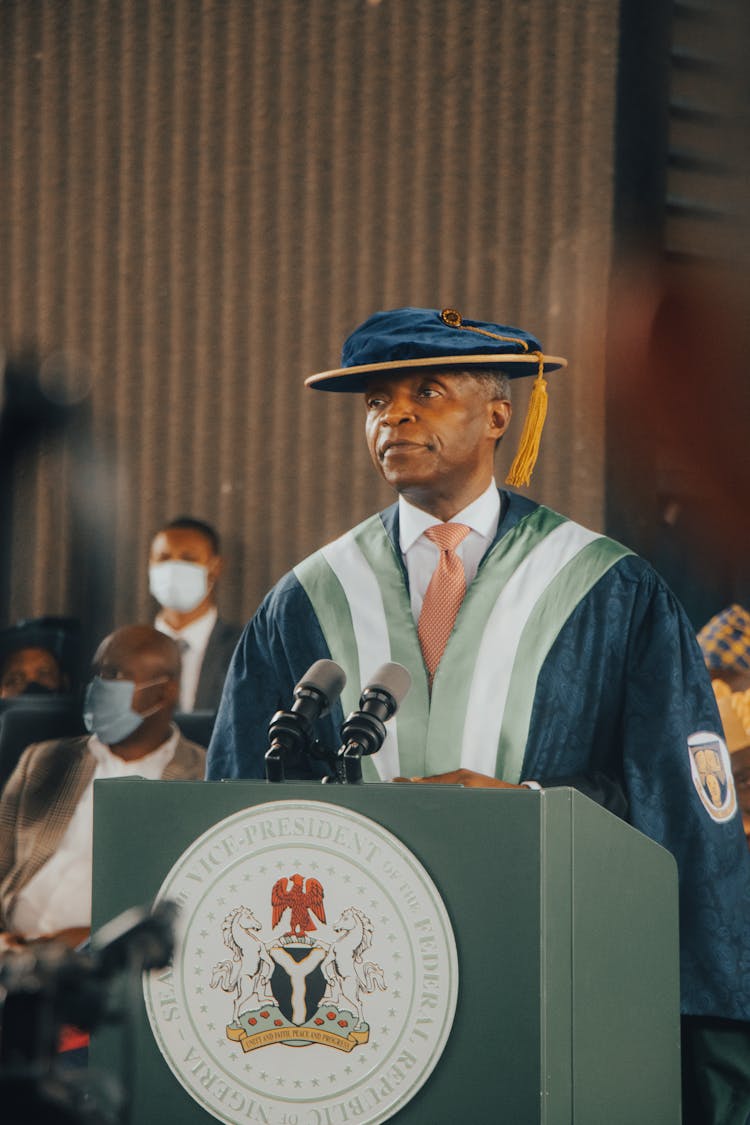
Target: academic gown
{"points": [[621, 689]]}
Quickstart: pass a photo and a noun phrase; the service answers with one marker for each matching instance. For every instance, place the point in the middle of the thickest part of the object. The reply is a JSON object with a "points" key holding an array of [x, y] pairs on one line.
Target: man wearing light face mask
{"points": [[184, 567], [46, 807]]}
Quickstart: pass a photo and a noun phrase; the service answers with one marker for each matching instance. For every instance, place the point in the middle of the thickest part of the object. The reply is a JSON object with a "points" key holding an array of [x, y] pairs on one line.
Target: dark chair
{"points": [[42, 702], [35, 719], [196, 725]]}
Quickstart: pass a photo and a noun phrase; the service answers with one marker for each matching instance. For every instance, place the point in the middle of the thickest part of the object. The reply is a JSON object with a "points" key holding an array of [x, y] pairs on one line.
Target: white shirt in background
{"points": [[58, 897], [195, 636]]}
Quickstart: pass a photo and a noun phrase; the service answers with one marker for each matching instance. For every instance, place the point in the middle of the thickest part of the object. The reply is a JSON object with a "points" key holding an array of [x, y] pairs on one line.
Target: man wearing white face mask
{"points": [[184, 567], [46, 807]]}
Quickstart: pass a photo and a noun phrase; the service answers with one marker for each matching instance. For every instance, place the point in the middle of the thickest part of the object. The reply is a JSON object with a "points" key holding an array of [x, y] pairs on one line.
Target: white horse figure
{"points": [[250, 969], [347, 975]]}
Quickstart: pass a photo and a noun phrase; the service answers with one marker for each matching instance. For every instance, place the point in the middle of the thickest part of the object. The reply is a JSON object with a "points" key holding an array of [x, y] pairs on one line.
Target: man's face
{"points": [[30, 666], [120, 657], [433, 431], [183, 544]]}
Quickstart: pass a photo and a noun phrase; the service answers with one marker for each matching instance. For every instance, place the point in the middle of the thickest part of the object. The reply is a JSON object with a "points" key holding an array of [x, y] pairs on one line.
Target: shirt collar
{"points": [[482, 516], [162, 755], [196, 633]]}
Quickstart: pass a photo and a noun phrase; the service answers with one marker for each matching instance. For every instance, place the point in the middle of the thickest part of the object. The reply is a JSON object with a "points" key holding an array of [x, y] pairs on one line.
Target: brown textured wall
{"points": [[200, 199]]}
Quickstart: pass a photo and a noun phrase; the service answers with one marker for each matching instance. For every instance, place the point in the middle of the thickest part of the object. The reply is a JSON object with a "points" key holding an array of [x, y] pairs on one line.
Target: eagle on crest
{"points": [[289, 894]]}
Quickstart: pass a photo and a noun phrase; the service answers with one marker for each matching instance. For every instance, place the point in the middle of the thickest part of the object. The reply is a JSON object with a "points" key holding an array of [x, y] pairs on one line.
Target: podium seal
{"points": [[315, 974]]}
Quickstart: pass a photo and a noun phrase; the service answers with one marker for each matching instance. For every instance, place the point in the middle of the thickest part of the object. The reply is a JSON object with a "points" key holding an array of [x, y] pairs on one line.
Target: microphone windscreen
{"points": [[393, 678], [327, 677]]}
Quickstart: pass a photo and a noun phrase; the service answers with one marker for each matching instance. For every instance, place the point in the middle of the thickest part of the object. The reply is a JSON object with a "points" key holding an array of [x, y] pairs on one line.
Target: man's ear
{"points": [[171, 691], [499, 415], [215, 568]]}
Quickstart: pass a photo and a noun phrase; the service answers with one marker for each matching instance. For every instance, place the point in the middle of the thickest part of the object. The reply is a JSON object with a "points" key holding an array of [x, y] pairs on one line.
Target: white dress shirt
{"points": [[421, 555], [195, 637], [59, 895]]}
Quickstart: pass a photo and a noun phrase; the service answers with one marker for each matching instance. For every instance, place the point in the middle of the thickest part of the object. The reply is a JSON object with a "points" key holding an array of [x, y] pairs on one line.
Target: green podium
{"points": [[520, 967]]}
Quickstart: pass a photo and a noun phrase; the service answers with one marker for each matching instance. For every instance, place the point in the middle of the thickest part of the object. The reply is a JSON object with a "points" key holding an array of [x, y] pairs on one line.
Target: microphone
{"points": [[363, 732], [290, 732]]}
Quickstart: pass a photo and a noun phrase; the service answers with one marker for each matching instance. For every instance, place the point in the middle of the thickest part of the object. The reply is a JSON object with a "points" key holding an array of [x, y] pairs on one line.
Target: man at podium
{"points": [[541, 653]]}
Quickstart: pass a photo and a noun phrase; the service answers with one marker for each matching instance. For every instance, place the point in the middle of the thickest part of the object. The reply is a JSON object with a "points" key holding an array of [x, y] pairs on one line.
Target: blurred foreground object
{"points": [[43, 402], [680, 393], [44, 986], [37, 396]]}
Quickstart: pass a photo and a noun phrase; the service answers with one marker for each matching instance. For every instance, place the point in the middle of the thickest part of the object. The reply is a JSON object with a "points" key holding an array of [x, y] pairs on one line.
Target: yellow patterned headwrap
{"points": [[725, 640]]}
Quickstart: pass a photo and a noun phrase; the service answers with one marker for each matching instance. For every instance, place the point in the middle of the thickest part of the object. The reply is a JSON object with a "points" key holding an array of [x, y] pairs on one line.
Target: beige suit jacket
{"points": [[40, 797]]}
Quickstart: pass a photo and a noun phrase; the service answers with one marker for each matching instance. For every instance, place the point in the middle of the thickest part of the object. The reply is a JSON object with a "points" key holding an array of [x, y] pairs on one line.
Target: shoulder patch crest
{"points": [[711, 770]]}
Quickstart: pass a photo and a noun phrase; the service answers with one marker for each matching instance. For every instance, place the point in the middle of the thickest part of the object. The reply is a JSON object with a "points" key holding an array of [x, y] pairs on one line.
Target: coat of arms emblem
{"points": [[294, 988]]}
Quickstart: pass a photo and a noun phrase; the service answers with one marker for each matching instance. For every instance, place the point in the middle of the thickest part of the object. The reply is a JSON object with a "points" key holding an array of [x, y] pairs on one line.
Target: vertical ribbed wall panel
{"points": [[200, 198]]}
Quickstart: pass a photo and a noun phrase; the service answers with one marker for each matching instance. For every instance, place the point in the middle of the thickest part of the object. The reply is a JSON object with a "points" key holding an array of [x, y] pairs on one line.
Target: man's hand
{"points": [[72, 937], [10, 941], [468, 778]]}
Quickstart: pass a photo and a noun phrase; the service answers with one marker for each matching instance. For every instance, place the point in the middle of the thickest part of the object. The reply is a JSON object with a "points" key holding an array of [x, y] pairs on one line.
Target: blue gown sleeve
{"points": [[275, 650], [621, 692], [669, 699]]}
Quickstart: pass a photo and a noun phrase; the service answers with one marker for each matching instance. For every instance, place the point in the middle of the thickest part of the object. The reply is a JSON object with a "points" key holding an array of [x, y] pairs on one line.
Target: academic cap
{"points": [[399, 339]]}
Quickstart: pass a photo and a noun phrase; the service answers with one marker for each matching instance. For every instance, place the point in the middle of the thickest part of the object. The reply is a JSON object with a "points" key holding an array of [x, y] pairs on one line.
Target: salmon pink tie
{"points": [[444, 593]]}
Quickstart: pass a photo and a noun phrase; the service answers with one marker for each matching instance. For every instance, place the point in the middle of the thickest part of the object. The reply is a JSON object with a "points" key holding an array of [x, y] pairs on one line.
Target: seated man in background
{"points": [[184, 568], [38, 656], [46, 808]]}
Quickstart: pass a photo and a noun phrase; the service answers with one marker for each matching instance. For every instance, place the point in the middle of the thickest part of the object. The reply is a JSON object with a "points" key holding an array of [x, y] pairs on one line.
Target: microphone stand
{"points": [[286, 737], [290, 733], [351, 759], [321, 753], [286, 732], [364, 732]]}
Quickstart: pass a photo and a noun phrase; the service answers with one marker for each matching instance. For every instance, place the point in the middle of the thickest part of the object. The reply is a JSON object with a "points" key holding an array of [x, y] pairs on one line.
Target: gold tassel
{"points": [[528, 447]]}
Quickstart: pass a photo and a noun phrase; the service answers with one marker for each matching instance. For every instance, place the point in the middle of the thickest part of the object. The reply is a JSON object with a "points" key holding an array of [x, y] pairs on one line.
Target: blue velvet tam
{"points": [[399, 339]]}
